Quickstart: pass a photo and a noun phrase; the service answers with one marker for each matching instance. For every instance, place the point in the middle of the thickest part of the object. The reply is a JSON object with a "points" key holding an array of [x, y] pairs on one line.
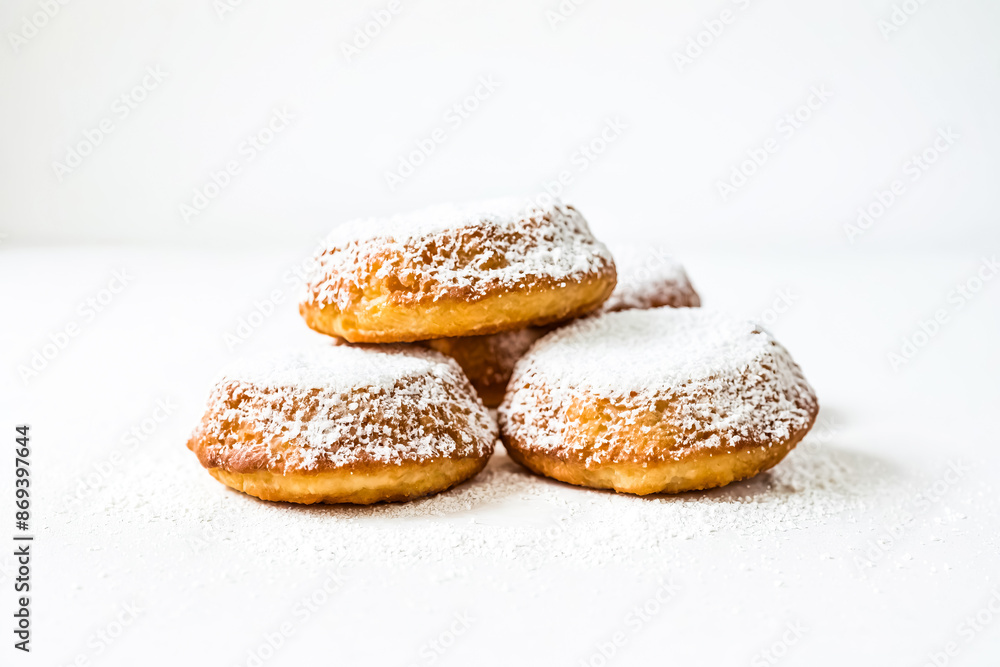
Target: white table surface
{"points": [[508, 569]]}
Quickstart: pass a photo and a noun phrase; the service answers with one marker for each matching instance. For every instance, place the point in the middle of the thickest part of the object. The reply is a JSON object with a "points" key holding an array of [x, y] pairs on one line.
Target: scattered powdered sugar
{"points": [[505, 516], [723, 380], [648, 278], [472, 248], [337, 405]]}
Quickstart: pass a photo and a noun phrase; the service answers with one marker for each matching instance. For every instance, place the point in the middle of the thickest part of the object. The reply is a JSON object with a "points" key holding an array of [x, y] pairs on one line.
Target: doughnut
{"points": [[655, 401], [454, 270], [344, 424], [646, 279]]}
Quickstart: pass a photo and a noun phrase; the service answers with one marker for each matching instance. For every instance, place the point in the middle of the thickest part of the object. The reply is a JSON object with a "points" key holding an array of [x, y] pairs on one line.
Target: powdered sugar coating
{"points": [[648, 278], [334, 368], [336, 406], [468, 250], [721, 381]]}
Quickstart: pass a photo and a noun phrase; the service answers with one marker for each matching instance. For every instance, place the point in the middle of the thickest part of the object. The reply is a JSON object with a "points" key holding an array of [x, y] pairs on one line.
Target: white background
{"points": [[686, 129], [214, 571]]}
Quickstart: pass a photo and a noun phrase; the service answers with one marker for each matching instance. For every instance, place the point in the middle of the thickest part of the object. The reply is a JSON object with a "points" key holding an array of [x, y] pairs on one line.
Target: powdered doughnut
{"points": [[457, 271], [649, 401], [646, 279], [344, 424]]}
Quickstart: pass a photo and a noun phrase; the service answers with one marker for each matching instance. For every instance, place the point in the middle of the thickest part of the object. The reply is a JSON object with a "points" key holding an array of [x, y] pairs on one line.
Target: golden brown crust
{"points": [[662, 468], [384, 319], [396, 483]]}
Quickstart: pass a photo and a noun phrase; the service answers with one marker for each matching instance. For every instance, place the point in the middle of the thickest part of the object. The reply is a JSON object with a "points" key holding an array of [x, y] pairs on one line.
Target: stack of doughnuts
{"points": [[606, 371]]}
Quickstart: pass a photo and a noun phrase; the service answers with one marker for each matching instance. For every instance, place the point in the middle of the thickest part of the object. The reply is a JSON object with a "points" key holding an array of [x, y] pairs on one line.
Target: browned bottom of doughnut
{"points": [[703, 470], [379, 319], [489, 360], [372, 484]]}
